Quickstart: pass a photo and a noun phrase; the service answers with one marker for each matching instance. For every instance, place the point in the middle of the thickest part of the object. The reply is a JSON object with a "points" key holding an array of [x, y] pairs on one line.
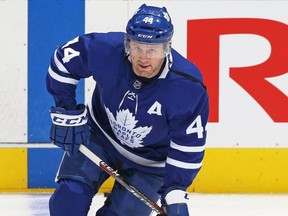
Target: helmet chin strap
{"points": [[169, 59]]}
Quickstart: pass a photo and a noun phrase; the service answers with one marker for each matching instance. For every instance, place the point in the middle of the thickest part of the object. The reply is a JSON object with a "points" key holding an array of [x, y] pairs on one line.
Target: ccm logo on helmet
{"points": [[144, 36]]}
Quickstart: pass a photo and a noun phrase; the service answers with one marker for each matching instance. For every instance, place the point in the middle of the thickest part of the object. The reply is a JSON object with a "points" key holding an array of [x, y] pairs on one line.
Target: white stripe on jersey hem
{"points": [[187, 148], [59, 64], [132, 157], [184, 165], [62, 79]]}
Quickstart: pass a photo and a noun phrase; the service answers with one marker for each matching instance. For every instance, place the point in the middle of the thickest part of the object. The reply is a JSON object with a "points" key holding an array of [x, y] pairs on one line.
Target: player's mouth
{"points": [[144, 67]]}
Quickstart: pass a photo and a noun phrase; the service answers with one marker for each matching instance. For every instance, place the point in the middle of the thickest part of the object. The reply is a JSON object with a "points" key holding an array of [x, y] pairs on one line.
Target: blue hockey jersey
{"points": [[157, 125]]}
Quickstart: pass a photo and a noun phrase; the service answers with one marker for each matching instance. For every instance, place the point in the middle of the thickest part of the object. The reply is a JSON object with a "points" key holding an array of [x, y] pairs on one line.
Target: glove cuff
{"points": [[62, 117], [175, 197]]}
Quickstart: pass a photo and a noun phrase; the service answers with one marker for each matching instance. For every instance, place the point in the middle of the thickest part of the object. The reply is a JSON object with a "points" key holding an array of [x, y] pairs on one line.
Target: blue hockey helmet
{"points": [[150, 24]]}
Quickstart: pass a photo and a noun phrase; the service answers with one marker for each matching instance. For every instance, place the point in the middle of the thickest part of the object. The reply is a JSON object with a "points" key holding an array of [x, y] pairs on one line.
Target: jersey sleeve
{"points": [[68, 65], [188, 137]]}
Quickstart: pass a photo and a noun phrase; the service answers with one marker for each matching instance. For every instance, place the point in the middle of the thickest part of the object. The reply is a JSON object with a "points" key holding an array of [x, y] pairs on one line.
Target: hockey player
{"points": [[146, 118]]}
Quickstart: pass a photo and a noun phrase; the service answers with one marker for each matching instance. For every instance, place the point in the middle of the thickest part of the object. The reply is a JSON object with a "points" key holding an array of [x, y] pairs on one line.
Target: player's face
{"points": [[147, 59]]}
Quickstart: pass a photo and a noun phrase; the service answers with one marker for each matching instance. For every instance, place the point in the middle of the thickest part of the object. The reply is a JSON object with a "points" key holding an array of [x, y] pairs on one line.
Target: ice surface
{"points": [[36, 204]]}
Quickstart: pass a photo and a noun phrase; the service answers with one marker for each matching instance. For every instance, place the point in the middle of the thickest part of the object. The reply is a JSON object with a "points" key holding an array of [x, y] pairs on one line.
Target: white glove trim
{"points": [[69, 120], [176, 196]]}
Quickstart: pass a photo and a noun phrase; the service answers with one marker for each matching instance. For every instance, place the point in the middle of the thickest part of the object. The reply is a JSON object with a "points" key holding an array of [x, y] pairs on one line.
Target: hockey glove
{"points": [[69, 128], [174, 203]]}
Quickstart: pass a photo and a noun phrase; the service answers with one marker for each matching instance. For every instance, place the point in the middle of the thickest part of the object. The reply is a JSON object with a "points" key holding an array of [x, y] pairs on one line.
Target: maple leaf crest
{"points": [[124, 127]]}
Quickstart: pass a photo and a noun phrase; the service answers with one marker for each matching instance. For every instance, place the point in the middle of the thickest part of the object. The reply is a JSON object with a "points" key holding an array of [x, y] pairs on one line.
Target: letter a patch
{"points": [[155, 109]]}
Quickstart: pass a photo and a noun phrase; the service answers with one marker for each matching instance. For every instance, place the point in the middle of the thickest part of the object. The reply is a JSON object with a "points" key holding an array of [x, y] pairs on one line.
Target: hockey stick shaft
{"points": [[94, 158]]}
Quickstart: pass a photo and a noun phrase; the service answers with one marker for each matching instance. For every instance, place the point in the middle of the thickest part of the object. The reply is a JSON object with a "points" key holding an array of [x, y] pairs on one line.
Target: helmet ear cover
{"points": [[150, 25]]}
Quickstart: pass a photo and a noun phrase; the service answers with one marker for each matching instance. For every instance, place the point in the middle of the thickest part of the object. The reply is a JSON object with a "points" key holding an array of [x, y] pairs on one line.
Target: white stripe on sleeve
{"points": [[62, 79], [59, 64]]}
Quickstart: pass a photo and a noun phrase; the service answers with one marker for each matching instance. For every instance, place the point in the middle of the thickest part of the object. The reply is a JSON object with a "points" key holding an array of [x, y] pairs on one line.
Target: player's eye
{"points": [[151, 51], [137, 49]]}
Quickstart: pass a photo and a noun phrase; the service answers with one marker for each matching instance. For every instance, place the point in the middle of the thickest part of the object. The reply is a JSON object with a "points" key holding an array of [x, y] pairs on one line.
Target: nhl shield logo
{"points": [[137, 84]]}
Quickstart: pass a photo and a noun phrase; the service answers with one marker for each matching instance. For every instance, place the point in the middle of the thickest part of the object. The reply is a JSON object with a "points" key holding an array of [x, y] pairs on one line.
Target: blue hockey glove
{"points": [[69, 128], [174, 203]]}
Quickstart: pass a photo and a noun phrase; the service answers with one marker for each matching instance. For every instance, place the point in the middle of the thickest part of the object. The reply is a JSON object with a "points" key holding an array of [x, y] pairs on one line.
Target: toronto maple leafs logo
{"points": [[124, 127]]}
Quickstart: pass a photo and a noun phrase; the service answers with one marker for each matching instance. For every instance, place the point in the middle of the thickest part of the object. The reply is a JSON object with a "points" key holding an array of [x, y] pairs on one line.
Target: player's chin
{"points": [[143, 72]]}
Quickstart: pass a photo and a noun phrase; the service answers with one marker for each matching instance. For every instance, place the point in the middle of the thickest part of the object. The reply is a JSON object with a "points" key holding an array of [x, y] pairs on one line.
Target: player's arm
{"points": [[67, 67], [185, 155]]}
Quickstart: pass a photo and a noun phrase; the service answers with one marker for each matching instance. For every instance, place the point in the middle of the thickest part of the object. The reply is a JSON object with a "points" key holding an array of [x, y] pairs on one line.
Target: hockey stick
{"points": [[121, 180]]}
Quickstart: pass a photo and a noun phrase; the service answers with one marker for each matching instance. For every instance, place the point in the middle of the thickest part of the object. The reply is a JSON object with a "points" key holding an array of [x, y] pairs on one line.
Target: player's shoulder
{"points": [[185, 72], [107, 38], [102, 45], [184, 85]]}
